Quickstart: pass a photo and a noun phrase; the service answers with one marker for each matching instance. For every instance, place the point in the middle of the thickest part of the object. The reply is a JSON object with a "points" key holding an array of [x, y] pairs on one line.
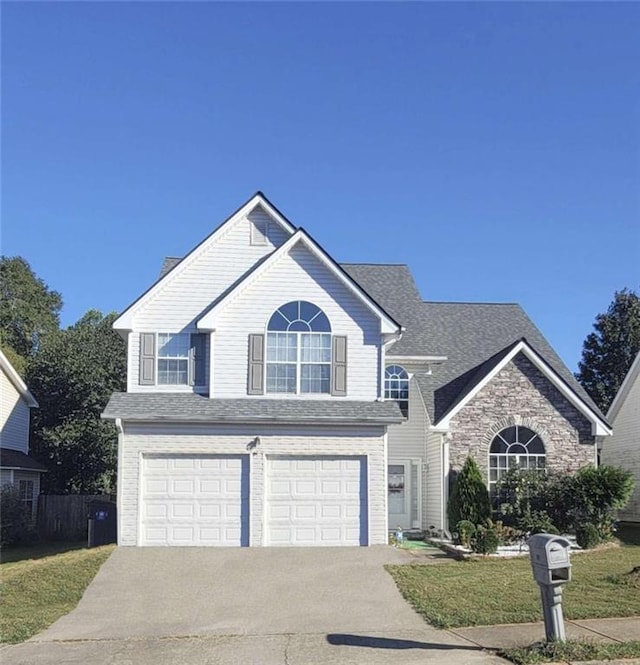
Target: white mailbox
{"points": [[550, 559]]}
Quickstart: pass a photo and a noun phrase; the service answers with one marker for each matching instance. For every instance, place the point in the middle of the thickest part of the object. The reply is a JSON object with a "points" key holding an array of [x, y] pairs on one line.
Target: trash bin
{"points": [[102, 523]]}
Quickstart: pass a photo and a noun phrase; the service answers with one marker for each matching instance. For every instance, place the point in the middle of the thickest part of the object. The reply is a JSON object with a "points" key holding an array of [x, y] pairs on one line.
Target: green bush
{"points": [[469, 498], [593, 496], [523, 499], [486, 540], [17, 526], [587, 536], [465, 530]]}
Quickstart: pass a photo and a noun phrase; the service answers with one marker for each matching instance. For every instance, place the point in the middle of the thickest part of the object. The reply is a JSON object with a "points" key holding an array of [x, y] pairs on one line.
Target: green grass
{"points": [[494, 591], [37, 590], [17, 554], [570, 651]]}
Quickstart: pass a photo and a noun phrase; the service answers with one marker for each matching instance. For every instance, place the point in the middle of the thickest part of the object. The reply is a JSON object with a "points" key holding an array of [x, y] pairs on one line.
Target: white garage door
{"points": [[195, 500], [316, 501]]}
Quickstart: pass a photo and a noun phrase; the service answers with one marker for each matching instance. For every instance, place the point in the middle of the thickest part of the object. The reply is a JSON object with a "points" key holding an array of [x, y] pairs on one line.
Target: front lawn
{"points": [[493, 591], [556, 652], [38, 587]]}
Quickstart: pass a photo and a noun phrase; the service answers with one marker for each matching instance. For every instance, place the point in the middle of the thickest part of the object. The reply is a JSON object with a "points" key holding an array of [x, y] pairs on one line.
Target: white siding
{"points": [[297, 276], [138, 440], [408, 440], [14, 417], [187, 292], [5, 477], [623, 448], [435, 481]]}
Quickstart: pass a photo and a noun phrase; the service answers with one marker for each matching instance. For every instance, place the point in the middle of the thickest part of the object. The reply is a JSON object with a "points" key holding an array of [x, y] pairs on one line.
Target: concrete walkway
{"points": [[523, 634]]}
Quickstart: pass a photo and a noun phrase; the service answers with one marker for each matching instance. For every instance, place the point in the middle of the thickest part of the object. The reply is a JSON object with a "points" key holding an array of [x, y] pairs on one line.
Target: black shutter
{"points": [[198, 360]]}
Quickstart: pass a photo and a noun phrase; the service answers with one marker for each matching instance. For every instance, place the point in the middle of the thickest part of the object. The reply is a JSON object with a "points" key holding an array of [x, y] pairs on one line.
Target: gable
{"points": [[486, 372], [190, 285], [628, 396], [308, 257]]}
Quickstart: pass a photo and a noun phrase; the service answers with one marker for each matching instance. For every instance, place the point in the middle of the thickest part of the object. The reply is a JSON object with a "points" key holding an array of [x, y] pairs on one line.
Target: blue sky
{"points": [[495, 148]]}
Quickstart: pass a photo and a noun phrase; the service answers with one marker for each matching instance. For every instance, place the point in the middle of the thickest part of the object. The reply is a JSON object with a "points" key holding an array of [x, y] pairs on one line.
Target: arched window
{"points": [[514, 447], [396, 386], [299, 349]]}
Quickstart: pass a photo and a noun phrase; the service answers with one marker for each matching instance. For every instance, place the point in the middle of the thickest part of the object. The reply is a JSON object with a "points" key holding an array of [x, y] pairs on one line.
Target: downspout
{"points": [[120, 429], [445, 482]]}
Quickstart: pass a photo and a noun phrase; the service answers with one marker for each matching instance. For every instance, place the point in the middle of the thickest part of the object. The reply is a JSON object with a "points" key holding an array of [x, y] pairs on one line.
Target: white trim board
{"points": [[125, 320], [17, 382], [598, 426]]}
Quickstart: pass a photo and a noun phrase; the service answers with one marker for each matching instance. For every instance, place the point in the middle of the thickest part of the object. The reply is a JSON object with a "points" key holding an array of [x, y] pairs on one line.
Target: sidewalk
{"points": [[590, 630], [523, 634]]}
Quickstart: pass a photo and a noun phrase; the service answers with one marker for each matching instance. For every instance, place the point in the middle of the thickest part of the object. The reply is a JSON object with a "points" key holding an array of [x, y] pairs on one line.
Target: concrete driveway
{"points": [[262, 605]]}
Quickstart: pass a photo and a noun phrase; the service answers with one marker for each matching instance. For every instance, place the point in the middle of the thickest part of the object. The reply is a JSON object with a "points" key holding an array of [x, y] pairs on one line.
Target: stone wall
{"points": [[521, 395]]}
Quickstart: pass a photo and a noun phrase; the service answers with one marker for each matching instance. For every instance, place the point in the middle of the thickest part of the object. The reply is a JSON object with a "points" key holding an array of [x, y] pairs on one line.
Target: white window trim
{"points": [[180, 358], [298, 362], [492, 484]]}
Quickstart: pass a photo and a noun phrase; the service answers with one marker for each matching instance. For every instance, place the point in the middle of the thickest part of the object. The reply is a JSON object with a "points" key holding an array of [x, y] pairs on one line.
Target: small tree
{"points": [[595, 495], [469, 498]]}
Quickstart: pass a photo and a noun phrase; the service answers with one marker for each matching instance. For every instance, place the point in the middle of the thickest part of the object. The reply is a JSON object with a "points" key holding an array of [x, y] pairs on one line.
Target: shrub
{"points": [[587, 536], [594, 496], [507, 535], [522, 498], [466, 531], [17, 526], [486, 540], [469, 498]]}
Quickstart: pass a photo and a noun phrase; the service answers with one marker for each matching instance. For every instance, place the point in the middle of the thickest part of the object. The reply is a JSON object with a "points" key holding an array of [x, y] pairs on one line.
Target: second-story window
{"points": [[173, 358], [299, 349], [396, 386]]}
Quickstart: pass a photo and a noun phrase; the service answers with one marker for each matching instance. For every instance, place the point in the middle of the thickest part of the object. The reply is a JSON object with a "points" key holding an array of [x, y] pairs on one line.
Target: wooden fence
{"points": [[65, 517]]}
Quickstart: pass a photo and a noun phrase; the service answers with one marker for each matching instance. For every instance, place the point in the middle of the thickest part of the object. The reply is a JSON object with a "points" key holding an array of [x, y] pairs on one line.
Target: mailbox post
{"points": [[551, 569]]}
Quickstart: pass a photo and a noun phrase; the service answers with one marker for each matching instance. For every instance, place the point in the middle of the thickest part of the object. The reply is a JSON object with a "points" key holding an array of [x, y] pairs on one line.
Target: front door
{"points": [[402, 494]]}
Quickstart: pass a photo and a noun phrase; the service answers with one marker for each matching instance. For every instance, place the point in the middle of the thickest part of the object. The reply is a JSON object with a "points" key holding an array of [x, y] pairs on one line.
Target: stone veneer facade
{"points": [[521, 395]]}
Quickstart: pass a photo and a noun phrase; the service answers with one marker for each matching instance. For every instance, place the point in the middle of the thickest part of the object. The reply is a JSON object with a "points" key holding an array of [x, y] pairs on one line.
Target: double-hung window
{"points": [[299, 350], [173, 358], [26, 494]]}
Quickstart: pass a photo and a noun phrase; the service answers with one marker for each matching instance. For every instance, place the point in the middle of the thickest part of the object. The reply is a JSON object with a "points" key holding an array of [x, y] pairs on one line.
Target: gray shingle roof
{"points": [[169, 263], [471, 335], [14, 459], [177, 407]]}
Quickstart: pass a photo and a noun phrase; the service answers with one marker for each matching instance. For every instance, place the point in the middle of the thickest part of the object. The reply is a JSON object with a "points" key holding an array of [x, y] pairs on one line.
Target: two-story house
{"points": [[17, 467], [275, 397]]}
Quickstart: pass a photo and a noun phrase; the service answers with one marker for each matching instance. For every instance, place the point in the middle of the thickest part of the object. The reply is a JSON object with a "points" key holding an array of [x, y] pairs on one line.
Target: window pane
{"points": [[536, 446], [315, 348], [172, 372], [281, 378], [173, 345], [314, 378], [509, 434], [277, 322]]}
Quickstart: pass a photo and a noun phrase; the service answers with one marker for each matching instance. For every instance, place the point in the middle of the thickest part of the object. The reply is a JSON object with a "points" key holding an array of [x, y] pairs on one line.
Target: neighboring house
{"points": [[275, 397], [16, 466], [623, 448]]}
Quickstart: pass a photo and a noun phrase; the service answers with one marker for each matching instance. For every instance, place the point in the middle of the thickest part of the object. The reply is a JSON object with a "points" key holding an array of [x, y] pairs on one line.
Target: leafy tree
{"points": [[609, 351], [469, 498], [72, 376], [29, 309]]}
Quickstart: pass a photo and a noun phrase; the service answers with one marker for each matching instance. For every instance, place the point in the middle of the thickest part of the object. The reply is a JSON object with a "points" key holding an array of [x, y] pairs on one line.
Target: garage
{"points": [[316, 501], [195, 500]]}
